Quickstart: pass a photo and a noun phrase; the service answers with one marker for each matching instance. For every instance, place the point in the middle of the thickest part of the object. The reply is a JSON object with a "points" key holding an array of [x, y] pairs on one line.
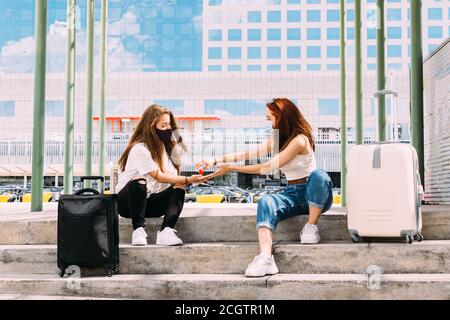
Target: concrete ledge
{"points": [[233, 258], [235, 287]]}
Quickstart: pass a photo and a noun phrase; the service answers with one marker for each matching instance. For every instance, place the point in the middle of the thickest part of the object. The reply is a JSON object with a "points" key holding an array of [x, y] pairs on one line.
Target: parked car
{"points": [[7, 196], [47, 196]]}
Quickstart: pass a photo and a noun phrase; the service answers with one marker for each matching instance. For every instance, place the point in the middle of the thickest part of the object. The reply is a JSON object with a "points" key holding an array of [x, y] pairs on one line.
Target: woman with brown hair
{"points": [[149, 184], [309, 190]]}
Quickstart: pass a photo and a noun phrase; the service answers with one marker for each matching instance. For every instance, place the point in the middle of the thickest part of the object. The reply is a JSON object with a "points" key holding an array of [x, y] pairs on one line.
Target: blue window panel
{"points": [[394, 66], [435, 32], [234, 67], [371, 33], [328, 107], [435, 13], [394, 1], [350, 33], [371, 51], [394, 14], [394, 32], [273, 52], [214, 53], [176, 106], [333, 34], [215, 35], [234, 53], [333, 1], [237, 107], [254, 35], [293, 16], [294, 34], [54, 108], [332, 15], [394, 51], [254, 16], [273, 16], [7, 109], [371, 66], [215, 2], [431, 47], [333, 51], [313, 2], [254, 67], [313, 52], [293, 52], [254, 53], [293, 67], [274, 2], [273, 34], [351, 15], [313, 67], [214, 68], [333, 66], [273, 67], [293, 1], [313, 33], [234, 35], [313, 15]]}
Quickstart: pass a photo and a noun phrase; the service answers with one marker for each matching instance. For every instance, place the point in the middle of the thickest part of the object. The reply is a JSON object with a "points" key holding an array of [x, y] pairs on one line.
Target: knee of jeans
{"points": [[139, 185], [319, 178], [264, 209]]}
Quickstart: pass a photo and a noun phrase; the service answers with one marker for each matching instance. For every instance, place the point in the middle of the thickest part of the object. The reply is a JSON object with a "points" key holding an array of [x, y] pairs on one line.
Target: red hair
{"points": [[290, 122]]}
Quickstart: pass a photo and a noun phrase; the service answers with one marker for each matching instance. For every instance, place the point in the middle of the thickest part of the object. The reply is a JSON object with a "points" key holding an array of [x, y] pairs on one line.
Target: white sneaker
{"points": [[139, 237], [262, 265], [167, 237], [310, 234]]}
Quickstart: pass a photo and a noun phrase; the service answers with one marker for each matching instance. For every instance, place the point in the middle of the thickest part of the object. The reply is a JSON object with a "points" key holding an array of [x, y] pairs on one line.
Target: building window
{"points": [[215, 35], [371, 51], [351, 15], [214, 53], [273, 52], [333, 33], [254, 35], [293, 52], [328, 107], [273, 67], [254, 67], [254, 53], [313, 33], [293, 16], [274, 2], [273, 16], [371, 33], [254, 16], [333, 67], [293, 1], [234, 67], [273, 34], [7, 109], [234, 53], [313, 52], [293, 67], [333, 51], [394, 66], [54, 108], [214, 2], [394, 14], [236, 107], [313, 67], [234, 35], [313, 2], [176, 106], [434, 13], [434, 32], [293, 34], [214, 68], [394, 51], [313, 16], [332, 15], [351, 33], [394, 32]]}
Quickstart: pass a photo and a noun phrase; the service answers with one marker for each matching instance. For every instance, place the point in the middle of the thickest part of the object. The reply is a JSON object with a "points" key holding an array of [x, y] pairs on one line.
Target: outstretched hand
{"points": [[223, 168]]}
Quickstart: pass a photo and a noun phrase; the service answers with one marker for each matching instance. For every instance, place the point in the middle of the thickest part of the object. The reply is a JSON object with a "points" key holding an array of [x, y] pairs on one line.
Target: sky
{"points": [[148, 35]]}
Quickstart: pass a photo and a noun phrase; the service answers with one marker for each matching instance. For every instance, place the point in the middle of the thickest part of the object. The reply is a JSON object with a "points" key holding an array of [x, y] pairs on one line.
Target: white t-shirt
{"points": [[140, 163]]}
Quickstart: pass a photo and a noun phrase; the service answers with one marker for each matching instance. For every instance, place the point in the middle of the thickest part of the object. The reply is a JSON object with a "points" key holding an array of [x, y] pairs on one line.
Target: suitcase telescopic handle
{"points": [[86, 190], [92, 178]]}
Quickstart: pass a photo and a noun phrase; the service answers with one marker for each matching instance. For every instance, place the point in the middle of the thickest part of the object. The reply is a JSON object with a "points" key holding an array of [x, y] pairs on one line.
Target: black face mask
{"points": [[165, 135]]}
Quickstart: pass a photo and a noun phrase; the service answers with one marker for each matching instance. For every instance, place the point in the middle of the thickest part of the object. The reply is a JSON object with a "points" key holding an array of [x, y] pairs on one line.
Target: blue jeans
{"points": [[295, 199]]}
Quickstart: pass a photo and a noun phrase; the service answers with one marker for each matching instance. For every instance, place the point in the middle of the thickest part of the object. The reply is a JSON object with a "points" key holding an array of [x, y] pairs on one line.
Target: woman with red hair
{"points": [[309, 190]]}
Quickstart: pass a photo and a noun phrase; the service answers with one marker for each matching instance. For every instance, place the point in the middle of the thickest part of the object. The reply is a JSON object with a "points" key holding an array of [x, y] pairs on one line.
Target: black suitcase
{"points": [[88, 230]]}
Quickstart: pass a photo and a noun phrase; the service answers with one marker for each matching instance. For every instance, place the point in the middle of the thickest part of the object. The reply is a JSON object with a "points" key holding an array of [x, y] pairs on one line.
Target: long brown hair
{"points": [[146, 132], [290, 122]]}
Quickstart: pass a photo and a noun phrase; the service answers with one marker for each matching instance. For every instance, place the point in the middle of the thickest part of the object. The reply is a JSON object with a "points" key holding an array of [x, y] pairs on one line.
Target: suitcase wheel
{"points": [[355, 238], [62, 272], [409, 239], [418, 237], [116, 270], [109, 272]]}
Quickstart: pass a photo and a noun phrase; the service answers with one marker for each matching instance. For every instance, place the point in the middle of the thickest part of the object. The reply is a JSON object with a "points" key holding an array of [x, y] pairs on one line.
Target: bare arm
{"points": [[261, 150], [176, 179]]}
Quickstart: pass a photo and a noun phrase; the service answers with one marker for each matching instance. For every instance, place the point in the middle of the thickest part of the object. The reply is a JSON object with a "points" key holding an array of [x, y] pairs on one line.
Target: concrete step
{"points": [[235, 287], [233, 258], [212, 224]]}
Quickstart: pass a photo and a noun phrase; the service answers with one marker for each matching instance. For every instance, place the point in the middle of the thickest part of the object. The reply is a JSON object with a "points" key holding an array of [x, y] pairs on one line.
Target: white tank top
{"points": [[300, 166]]}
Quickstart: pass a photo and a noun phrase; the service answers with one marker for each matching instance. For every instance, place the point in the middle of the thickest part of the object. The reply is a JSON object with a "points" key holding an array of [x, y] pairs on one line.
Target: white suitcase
{"points": [[384, 192]]}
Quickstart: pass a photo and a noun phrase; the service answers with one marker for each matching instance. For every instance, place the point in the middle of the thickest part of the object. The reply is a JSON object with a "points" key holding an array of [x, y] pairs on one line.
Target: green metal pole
{"points": [[358, 65], [417, 84], [381, 71], [89, 89], [37, 174], [343, 108], [104, 18], [70, 98]]}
